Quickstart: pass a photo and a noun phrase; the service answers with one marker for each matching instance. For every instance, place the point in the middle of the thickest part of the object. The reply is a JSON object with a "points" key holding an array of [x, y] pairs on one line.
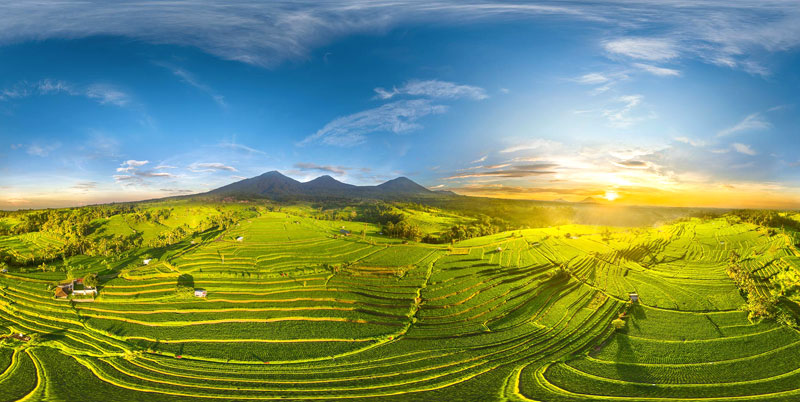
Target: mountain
{"points": [[326, 183], [270, 183], [275, 185], [589, 200], [402, 185]]}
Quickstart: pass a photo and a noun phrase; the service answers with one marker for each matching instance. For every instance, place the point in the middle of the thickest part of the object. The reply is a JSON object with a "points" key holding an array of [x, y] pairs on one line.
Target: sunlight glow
{"points": [[611, 195]]}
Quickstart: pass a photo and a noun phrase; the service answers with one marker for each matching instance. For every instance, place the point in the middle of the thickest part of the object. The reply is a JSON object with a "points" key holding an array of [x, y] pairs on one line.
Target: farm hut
{"points": [[200, 293], [21, 337], [344, 232], [147, 261], [634, 297], [60, 293], [240, 238], [85, 291], [499, 249]]}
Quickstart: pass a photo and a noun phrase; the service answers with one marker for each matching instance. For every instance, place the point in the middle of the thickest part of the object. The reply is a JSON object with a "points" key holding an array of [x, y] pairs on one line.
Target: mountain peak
{"points": [[325, 182], [403, 184]]}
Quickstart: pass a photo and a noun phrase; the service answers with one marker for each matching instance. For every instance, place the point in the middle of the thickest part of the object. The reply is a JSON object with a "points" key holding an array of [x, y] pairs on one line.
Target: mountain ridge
{"points": [[276, 185]]}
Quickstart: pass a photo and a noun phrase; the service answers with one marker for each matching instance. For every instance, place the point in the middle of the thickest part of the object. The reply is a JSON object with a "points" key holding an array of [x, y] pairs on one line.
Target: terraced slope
{"points": [[297, 311]]}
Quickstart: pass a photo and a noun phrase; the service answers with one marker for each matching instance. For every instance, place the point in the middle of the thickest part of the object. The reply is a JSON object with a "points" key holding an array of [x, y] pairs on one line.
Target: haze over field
{"points": [[633, 102]]}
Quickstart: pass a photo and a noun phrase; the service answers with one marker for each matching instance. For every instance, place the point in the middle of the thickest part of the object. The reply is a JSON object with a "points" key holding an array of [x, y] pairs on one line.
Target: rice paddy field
{"points": [[295, 310]]}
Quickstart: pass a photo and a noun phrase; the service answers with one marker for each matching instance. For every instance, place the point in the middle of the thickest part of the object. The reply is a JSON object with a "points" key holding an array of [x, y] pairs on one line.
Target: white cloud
{"points": [[337, 170], [42, 150], [132, 175], [689, 141], [240, 147], [531, 145], [100, 93], [396, 117], [105, 94], [753, 122], [653, 49], [624, 116], [592, 79], [481, 159], [165, 167], [135, 163], [434, 89], [262, 33], [210, 167], [743, 149], [254, 32], [659, 71]]}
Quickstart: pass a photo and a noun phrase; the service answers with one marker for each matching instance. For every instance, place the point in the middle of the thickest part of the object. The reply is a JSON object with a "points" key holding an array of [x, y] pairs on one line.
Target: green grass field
{"points": [[296, 311]]}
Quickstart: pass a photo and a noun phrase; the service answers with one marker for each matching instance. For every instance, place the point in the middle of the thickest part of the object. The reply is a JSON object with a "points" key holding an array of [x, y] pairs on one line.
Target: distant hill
{"points": [[560, 200], [589, 200], [275, 185]]}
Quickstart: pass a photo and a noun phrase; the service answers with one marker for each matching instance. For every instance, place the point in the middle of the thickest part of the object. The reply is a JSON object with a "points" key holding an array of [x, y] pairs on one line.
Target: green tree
{"points": [[90, 280]]}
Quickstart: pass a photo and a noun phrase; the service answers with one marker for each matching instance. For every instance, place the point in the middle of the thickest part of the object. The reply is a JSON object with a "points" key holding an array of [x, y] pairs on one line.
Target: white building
{"points": [[200, 293], [147, 261], [240, 238]]}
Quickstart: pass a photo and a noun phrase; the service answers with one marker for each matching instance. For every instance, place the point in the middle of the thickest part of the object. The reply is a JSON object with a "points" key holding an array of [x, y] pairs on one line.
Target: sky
{"points": [[679, 103]]}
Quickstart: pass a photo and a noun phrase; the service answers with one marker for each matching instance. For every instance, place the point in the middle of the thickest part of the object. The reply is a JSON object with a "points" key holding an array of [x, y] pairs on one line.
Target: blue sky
{"points": [[639, 102]]}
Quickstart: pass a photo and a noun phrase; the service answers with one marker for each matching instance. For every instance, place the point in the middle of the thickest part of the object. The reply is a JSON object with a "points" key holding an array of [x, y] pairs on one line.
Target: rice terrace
{"points": [[400, 201], [300, 306]]}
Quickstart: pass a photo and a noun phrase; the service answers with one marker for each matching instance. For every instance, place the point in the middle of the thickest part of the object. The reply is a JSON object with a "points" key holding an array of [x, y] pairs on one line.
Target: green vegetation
{"points": [[328, 302]]}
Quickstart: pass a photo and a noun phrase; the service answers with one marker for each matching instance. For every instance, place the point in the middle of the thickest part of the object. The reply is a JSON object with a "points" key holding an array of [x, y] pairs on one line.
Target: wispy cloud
{"points": [[481, 159], [131, 165], [743, 149], [190, 79], [100, 93], [210, 167], [106, 94], [395, 117], [753, 122], [632, 164], [85, 186], [517, 171], [132, 174], [653, 49], [530, 145], [338, 170], [659, 71], [266, 33], [434, 89], [592, 79], [42, 150], [625, 116], [240, 147], [690, 141]]}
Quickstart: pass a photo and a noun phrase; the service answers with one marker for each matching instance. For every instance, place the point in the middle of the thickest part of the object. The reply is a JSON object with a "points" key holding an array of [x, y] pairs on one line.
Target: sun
{"points": [[611, 195]]}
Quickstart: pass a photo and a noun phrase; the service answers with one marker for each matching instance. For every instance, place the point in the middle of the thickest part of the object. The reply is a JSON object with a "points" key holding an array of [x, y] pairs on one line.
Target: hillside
{"points": [[297, 310]]}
